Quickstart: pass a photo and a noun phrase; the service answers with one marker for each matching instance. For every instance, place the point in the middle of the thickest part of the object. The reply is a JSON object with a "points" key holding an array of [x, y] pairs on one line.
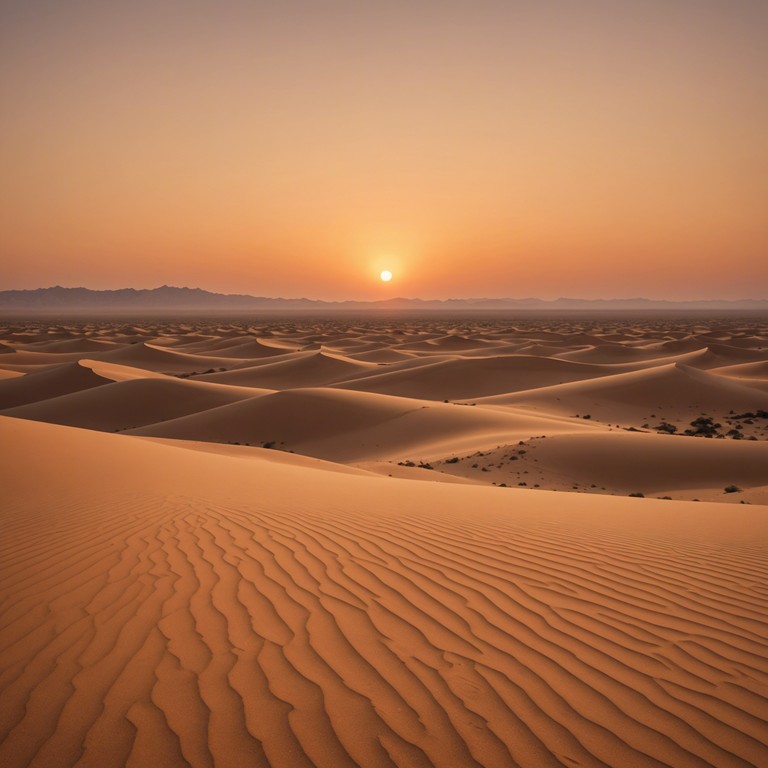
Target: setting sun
{"points": [[386, 276]]}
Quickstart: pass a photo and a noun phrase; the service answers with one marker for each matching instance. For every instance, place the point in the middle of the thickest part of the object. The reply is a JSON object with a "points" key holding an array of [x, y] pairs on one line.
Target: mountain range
{"points": [[171, 298]]}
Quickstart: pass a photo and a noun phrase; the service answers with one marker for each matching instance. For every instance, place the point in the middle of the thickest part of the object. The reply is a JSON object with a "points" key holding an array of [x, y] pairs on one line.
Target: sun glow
{"points": [[386, 276]]}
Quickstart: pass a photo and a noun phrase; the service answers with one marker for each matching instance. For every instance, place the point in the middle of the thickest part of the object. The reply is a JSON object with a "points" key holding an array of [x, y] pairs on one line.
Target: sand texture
{"points": [[384, 543]]}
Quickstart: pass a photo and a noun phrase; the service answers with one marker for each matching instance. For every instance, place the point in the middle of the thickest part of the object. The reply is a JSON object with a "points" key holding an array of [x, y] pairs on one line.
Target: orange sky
{"points": [[296, 148]]}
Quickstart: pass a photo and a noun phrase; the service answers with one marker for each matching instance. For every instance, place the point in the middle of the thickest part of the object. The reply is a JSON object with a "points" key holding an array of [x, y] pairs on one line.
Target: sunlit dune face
{"points": [[385, 276]]}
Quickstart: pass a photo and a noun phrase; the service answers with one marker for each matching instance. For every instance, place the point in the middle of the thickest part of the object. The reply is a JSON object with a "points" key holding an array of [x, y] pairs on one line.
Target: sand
{"points": [[311, 559]]}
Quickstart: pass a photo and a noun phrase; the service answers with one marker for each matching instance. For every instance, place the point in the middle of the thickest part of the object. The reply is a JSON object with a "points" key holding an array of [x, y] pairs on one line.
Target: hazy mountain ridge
{"points": [[166, 297]]}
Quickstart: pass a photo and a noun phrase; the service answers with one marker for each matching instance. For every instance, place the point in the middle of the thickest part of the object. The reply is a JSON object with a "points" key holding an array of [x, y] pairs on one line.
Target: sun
{"points": [[386, 276]]}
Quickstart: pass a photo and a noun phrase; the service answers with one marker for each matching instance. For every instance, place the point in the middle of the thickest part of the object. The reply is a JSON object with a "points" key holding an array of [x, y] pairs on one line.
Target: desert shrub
{"points": [[703, 425]]}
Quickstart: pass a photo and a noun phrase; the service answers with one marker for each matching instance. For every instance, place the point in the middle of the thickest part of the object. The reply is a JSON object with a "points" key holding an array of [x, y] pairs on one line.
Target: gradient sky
{"points": [[591, 148]]}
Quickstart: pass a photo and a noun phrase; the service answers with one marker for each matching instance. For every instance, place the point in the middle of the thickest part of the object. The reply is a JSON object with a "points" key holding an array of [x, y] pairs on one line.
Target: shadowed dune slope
{"points": [[738, 354], [305, 369], [21, 358], [356, 426], [168, 607], [379, 356], [132, 403], [246, 348], [162, 360], [651, 462], [675, 386], [55, 380], [607, 354], [715, 356], [462, 378], [80, 344], [50, 382], [755, 370]]}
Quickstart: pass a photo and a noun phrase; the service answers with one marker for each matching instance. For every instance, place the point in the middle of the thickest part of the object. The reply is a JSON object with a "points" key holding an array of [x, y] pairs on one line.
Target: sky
{"points": [[585, 148]]}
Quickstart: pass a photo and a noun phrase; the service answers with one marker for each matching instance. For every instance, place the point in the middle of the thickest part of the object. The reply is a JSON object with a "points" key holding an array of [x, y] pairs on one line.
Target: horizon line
{"points": [[386, 300]]}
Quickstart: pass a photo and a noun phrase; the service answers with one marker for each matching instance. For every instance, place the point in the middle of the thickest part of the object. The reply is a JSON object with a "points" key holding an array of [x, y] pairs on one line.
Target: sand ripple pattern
{"points": [[186, 634]]}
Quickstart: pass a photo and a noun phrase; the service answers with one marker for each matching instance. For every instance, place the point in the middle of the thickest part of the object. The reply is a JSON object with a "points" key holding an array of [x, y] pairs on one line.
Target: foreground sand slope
{"points": [[165, 606]]}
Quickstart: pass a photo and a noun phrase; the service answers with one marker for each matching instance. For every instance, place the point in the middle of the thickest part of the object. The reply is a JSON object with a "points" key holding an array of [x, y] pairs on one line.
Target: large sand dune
{"points": [[215, 613], [133, 403], [163, 360], [655, 393], [463, 378], [305, 369], [357, 426], [359, 594], [51, 382]]}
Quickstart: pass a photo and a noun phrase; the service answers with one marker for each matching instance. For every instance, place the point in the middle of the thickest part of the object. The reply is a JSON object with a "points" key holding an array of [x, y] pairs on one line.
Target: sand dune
{"points": [[546, 350], [749, 371], [607, 354], [305, 369], [648, 463], [662, 392], [76, 345], [163, 360], [237, 348], [380, 356], [714, 357], [213, 614], [710, 356], [117, 372], [356, 426], [738, 354], [57, 380], [22, 358], [450, 343], [52, 382], [499, 350], [472, 378], [130, 403], [676, 346]]}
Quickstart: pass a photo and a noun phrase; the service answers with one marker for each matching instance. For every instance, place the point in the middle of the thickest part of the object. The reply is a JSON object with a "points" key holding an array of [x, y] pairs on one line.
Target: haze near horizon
{"points": [[483, 149]]}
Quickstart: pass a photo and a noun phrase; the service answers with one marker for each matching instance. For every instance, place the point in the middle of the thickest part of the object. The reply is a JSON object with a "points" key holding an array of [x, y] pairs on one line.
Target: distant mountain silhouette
{"points": [[169, 298]]}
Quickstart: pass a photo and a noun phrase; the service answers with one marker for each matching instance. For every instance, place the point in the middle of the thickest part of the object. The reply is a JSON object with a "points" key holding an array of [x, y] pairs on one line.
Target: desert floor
{"points": [[409, 541]]}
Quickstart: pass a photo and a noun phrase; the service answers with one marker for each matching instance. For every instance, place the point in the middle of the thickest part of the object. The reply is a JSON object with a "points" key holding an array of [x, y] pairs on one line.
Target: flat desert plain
{"points": [[384, 541]]}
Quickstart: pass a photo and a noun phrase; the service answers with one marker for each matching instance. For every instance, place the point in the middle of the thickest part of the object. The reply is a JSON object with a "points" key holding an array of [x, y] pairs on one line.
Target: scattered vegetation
{"points": [[704, 426]]}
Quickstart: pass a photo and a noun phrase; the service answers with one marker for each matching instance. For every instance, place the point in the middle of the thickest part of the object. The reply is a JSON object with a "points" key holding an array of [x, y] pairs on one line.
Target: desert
{"points": [[384, 541], [383, 384]]}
